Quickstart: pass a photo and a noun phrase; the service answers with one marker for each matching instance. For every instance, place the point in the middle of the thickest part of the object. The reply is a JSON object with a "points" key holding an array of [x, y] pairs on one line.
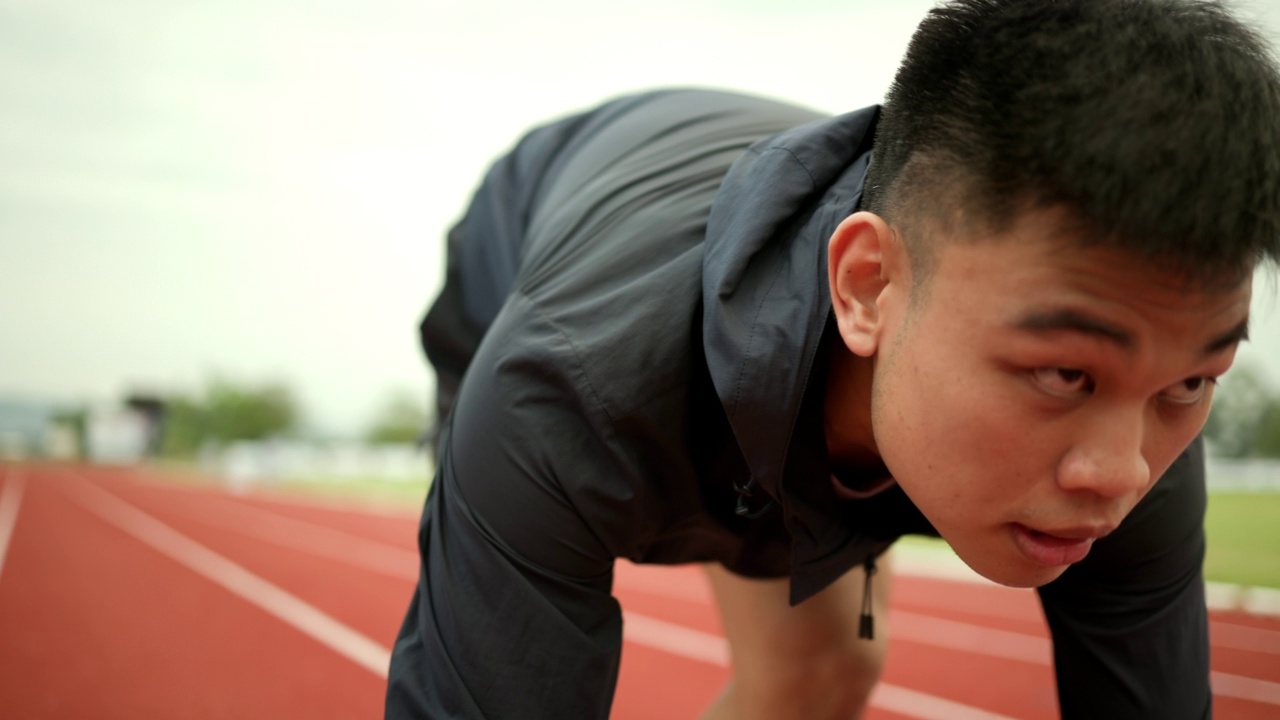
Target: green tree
{"points": [[75, 419], [184, 427], [1245, 420], [226, 412], [247, 412], [1266, 440], [401, 420]]}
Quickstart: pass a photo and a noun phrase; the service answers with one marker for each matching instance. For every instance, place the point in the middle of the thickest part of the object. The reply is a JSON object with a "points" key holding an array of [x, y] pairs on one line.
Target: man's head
{"points": [[1156, 121], [1082, 188]]}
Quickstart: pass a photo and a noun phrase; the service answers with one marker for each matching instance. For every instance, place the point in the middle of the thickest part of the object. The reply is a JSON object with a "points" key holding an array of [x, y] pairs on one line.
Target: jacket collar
{"points": [[765, 308]]}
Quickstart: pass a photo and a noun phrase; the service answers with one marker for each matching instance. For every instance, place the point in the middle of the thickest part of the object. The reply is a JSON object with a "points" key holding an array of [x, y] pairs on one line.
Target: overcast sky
{"points": [[258, 188]]}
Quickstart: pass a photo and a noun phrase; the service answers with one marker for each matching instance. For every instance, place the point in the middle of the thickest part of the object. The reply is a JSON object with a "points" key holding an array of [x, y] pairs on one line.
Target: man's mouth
{"points": [[1061, 547]]}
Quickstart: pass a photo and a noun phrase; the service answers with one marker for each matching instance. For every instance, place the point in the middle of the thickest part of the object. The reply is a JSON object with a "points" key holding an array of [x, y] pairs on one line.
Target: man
{"points": [[699, 327]]}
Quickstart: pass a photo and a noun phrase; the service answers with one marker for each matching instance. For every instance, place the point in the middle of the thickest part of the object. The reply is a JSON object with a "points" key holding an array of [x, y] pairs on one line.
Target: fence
{"points": [[267, 462], [1243, 475]]}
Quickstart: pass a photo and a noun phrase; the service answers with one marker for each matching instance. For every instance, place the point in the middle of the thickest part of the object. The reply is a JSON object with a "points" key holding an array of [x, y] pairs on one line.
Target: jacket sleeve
{"points": [[482, 257], [513, 615], [1129, 623]]}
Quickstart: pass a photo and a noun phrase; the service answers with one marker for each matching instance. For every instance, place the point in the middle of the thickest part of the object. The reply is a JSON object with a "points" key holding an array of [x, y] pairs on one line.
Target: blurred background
{"points": [[228, 215], [220, 224]]}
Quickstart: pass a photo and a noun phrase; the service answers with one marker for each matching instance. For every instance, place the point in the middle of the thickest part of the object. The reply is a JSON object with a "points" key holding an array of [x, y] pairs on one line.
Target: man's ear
{"points": [[861, 259]]}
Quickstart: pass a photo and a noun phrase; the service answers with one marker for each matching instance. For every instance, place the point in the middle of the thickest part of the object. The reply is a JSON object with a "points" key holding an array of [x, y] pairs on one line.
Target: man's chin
{"points": [[1012, 573]]}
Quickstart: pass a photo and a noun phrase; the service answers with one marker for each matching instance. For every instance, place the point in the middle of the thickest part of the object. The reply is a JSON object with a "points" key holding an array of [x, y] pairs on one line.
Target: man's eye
{"points": [[1063, 381], [1189, 391]]}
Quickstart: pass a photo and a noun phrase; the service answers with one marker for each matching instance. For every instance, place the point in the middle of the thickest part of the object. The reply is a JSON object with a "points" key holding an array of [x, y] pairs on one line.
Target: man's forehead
{"points": [[1048, 281]]}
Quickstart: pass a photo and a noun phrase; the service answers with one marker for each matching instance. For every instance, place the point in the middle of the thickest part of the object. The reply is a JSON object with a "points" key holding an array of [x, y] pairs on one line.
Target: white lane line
{"points": [[1245, 688], [713, 649], [913, 627], [980, 640], [1243, 637], [676, 639], [936, 632], [318, 540], [911, 703], [10, 501], [1221, 634], [294, 611], [966, 637]]}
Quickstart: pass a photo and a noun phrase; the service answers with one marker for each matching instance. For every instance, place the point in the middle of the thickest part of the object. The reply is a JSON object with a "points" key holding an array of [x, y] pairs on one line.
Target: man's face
{"points": [[1036, 391]]}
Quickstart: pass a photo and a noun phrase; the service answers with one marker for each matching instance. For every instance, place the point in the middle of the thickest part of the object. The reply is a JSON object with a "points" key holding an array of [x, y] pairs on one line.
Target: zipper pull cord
{"points": [[866, 623], [743, 509]]}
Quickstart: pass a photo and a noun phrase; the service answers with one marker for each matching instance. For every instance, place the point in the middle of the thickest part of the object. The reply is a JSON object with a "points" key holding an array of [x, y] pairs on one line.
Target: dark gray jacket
{"points": [[628, 348]]}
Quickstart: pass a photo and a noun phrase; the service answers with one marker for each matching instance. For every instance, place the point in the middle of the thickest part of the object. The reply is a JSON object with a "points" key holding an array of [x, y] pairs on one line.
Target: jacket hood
{"points": [[765, 291]]}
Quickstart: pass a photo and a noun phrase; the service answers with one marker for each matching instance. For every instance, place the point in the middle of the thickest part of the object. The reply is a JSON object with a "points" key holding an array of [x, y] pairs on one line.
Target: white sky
{"points": [[259, 187]]}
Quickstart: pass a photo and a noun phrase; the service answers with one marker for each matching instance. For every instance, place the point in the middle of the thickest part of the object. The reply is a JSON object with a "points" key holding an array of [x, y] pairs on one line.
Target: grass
{"points": [[1244, 538], [393, 493], [404, 494]]}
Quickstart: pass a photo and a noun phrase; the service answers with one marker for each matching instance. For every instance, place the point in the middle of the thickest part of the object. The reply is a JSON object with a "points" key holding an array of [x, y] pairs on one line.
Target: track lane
{"points": [[12, 484], [234, 546], [398, 560], [375, 542], [1245, 663], [658, 685], [1001, 607], [380, 523], [364, 599], [1010, 688], [680, 592], [92, 637]]}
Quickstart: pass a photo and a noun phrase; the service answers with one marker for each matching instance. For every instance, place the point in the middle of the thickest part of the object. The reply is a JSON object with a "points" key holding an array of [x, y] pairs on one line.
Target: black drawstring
{"points": [[866, 623], [743, 509]]}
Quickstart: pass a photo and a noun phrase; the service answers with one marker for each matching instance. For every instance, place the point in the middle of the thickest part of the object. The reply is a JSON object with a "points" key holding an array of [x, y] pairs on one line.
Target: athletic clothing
{"points": [[629, 347]]}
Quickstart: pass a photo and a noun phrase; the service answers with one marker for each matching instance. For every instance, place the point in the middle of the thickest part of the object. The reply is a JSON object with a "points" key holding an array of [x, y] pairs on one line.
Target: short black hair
{"points": [[1156, 122]]}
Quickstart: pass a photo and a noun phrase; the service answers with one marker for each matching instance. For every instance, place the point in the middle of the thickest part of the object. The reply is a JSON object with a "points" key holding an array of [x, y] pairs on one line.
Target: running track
{"points": [[122, 596]]}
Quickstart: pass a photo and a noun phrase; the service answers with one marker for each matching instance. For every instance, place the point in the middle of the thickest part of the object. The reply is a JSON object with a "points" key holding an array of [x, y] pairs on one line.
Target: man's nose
{"points": [[1107, 459]]}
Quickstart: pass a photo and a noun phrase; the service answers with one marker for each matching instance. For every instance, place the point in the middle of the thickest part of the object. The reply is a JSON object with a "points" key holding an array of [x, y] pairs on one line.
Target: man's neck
{"points": [[846, 414]]}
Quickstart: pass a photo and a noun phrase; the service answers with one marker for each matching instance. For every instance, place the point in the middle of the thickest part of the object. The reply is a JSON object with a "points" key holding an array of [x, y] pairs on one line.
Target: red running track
{"points": [[124, 596]]}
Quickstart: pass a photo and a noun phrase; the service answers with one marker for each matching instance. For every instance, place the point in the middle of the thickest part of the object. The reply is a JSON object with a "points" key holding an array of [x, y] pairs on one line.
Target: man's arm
{"points": [[513, 616], [488, 635], [1129, 623]]}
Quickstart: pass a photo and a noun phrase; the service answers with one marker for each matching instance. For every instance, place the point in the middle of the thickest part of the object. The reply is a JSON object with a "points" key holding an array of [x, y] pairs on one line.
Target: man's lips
{"points": [[1060, 547]]}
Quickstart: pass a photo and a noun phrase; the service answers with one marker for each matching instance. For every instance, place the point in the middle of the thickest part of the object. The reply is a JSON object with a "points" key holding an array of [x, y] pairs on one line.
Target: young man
{"points": [[702, 327]]}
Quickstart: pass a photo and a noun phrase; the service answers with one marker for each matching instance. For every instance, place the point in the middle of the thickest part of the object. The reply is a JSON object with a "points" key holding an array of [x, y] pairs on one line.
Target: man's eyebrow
{"points": [[1074, 321], [1080, 322], [1234, 336]]}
